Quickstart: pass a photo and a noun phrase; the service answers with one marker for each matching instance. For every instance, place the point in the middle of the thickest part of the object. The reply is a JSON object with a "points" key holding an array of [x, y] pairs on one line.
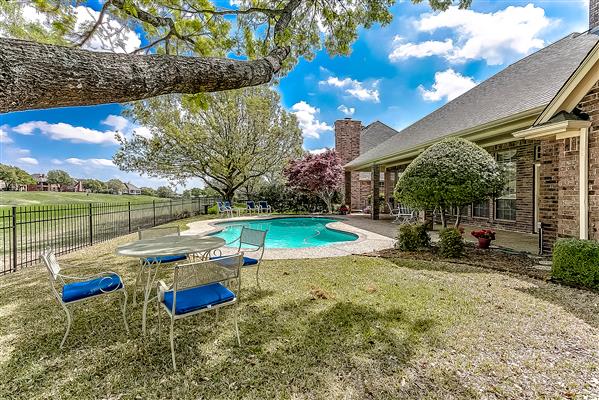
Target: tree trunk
{"points": [[34, 75], [458, 218], [443, 218]]}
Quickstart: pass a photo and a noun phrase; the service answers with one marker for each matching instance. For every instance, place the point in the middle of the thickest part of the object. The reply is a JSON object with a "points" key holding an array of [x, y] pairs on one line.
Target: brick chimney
{"points": [[347, 138], [593, 15]]}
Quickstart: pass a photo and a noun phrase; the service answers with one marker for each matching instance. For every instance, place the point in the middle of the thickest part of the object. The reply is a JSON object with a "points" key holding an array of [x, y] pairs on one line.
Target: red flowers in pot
{"points": [[484, 237]]}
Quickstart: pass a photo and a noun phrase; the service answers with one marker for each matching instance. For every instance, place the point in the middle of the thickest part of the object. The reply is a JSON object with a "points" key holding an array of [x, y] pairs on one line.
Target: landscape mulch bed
{"points": [[495, 259]]}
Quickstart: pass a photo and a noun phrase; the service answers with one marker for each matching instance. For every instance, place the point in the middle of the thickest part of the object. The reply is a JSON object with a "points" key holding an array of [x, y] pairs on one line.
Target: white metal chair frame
{"points": [[251, 210], [151, 233], [49, 259], [190, 275], [264, 209], [224, 209], [405, 215], [256, 239]]}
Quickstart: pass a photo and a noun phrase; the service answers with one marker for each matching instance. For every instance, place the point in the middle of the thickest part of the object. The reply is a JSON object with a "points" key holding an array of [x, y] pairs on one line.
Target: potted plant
{"points": [[484, 236], [343, 210]]}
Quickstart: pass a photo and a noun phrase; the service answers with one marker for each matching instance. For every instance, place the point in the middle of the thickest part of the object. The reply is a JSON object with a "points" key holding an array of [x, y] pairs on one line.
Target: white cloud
{"points": [[349, 111], [63, 131], [94, 162], [493, 37], [425, 49], [354, 88], [56, 161], [306, 117], [4, 138], [27, 161], [318, 151], [116, 122], [448, 85]]}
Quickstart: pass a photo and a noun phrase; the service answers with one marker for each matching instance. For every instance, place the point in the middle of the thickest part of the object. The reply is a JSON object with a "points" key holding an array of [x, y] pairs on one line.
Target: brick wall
{"points": [[593, 14], [590, 105], [549, 191], [347, 145]]}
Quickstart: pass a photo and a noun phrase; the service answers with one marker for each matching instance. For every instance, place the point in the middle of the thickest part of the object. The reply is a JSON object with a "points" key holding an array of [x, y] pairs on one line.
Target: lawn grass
{"points": [[350, 327], [51, 198]]}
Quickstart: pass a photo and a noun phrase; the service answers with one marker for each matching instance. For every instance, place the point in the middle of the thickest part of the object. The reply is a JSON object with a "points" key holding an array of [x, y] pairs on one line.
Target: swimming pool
{"points": [[288, 233]]}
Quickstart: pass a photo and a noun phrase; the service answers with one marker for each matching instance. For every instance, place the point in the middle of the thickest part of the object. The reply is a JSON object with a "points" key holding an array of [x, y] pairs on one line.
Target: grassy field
{"points": [[340, 328], [49, 198]]}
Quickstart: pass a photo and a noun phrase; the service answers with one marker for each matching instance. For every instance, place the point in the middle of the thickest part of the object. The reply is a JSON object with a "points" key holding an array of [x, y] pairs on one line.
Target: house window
{"points": [[480, 209], [537, 152], [505, 205], [571, 144]]}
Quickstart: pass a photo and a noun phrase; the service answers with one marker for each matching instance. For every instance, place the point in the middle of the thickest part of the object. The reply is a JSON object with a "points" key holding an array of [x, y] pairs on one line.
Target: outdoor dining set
{"points": [[203, 278]]}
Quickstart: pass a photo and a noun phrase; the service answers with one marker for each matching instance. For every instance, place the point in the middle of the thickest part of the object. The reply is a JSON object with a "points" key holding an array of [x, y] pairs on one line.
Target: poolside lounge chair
{"points": [[222, 209], [251, 207], [264, 207], [228, 205], [198, 287], [81, 288], [251, 241]]}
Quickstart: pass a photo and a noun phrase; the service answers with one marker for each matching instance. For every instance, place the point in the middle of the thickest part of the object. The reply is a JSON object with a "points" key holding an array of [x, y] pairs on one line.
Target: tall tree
{"points": [[165, 192], [238, 136], [184, 45], [115, 186], [14, 176], [316, 174], [94, 185], [59, 177], [451, 173]]}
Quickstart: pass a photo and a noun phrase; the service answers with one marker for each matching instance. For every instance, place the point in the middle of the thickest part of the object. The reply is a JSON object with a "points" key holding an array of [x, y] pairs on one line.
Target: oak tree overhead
{"points": [[44, 62], [238, 136]]}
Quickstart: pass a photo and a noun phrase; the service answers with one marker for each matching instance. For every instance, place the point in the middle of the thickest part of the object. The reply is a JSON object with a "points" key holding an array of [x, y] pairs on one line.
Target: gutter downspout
{"points": [[583, 181]]}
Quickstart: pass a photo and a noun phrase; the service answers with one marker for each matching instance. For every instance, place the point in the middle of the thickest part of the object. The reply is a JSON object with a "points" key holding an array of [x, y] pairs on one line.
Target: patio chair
{"points": [[230, 207], [224, 210], [81, 288], [251, 207], [199, 287], [263, 207], [393, 211], [151, 234], [251, 241], [405, 215]]}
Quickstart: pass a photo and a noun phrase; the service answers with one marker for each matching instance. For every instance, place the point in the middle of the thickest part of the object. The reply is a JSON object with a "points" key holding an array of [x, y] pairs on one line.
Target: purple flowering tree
{"points": [[318, 174]]}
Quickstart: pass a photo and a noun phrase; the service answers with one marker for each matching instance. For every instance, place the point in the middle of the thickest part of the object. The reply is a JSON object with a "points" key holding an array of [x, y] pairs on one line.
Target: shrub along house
{"points": [[539, 117]]}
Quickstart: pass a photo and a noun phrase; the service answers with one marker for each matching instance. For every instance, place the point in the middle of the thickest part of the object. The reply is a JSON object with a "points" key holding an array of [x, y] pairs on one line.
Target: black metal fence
{"points": [[26, 230]]}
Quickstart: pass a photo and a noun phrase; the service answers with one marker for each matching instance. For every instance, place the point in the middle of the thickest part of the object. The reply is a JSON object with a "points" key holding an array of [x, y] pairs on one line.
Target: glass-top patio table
{"points": [[151, 251]]}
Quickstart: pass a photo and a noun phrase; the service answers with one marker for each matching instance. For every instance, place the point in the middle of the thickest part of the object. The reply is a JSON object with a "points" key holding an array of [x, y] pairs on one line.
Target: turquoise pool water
{"points": [[288, 233]]}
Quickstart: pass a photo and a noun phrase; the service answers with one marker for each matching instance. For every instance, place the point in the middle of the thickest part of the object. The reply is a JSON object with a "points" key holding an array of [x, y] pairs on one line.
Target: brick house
{"points": [[42, 184], [351, 140], [539, 117]]}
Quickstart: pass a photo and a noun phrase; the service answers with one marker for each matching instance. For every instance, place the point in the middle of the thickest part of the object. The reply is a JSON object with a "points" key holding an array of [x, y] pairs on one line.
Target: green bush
{"points": [[213, 209], [451, 244], [412, 237], [576, 262]]}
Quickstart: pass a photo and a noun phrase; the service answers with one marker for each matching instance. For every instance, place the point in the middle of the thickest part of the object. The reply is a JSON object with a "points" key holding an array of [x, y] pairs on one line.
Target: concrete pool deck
{"points": [[367, 241]]}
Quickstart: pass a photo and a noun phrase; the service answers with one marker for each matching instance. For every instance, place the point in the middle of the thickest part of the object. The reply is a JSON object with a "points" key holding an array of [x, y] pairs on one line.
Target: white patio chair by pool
{"points": [[81, 288], [405, 215], [393, 211], [151, 234], [263, 207], [251, 241], [222, 209], [251, 207], [199, 287]]}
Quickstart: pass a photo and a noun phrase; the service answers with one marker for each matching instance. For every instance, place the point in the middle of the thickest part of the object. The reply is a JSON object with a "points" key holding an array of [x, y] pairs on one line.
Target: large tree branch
{"points": [[34, 75]]}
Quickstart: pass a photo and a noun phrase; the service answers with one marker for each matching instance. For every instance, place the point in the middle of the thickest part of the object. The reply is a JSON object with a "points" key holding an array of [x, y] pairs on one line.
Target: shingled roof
{"points": [[526, 85], [374, 134]]}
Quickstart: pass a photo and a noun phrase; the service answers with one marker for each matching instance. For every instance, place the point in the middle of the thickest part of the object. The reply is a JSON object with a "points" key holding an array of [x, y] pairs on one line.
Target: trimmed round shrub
{"points": [[451, 244], [576, 262], [412, 237]]}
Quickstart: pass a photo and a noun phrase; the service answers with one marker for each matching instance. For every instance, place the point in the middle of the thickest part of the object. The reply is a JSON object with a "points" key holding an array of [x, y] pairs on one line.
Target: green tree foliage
{"points": [[94, 185], [13, 176], [165, 192], [451, 173], [147, 191], [59, 177], [239, 136], [115, 186]]}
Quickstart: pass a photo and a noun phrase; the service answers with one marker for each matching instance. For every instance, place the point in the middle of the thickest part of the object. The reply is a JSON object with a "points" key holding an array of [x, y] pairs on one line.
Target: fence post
{"points": [[171, 209], [14, 239], [199, 206], [129, 211], [154, 209], [91, 225]]}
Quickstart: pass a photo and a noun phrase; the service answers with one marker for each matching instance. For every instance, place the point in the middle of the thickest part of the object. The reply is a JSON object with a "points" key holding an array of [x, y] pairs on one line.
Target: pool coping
{"points": [[366, 242]]}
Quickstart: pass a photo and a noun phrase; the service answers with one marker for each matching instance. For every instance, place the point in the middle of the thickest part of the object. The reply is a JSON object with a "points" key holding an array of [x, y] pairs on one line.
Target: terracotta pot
{"points": [[484, 243]]}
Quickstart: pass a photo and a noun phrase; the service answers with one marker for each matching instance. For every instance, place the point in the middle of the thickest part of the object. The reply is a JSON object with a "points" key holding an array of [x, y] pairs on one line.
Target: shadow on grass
{"points": [[426, 265]]}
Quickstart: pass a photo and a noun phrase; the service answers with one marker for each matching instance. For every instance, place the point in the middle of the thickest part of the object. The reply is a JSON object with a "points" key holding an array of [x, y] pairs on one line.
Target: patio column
{"points": [[388, 185], [347, 184], [375, 204]]}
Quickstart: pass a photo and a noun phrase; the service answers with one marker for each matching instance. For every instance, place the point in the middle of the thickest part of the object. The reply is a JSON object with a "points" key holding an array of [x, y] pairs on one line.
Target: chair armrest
{"points": [[86, 278], [161, 287]]}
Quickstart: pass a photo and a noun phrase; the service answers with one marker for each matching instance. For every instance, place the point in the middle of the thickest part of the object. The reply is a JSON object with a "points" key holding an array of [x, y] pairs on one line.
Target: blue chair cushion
{"points": [[81, 290], [166, 259], [246, 260], [194, 299]]}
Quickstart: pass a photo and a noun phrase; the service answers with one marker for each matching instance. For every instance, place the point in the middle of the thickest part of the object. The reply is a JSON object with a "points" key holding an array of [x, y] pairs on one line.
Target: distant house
{"points": [[132, 189], [13, 187], [76, 187], [42, 184]]}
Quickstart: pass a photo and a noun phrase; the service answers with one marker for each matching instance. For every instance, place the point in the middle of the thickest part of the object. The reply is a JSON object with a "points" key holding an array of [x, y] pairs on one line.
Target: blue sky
{"points": [[396, 74]]}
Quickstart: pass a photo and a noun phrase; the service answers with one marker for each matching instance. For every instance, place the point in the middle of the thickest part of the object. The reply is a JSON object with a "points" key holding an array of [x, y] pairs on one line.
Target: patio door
{"points": [[537, 197]]}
